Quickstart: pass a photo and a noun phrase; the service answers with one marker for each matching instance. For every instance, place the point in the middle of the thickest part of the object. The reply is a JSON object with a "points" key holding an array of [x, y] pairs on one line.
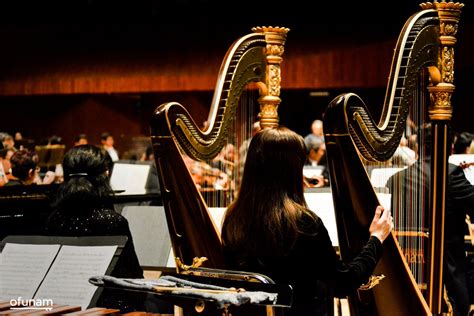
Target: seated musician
{"points": [[270, 230], [5, 165], [24, 168], [82, 208], [316, 156]]}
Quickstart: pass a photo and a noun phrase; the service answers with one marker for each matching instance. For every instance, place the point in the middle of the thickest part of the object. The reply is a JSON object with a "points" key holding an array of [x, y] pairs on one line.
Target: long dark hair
{"points": [[86, 181], [264, 217]]}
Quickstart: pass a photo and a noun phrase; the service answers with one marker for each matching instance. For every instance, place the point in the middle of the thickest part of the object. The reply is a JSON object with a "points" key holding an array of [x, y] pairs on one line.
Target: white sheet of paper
{"points": [[68, 279], [129, 177], [310, 172], [380, 176], [322, 205], [22, 268], [458, 159], [217, 215], [385, 199]]}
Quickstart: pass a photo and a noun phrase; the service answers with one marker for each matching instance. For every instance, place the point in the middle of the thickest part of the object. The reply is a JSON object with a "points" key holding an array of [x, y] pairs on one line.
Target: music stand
{"points": [[50, 155], [118, 241]]}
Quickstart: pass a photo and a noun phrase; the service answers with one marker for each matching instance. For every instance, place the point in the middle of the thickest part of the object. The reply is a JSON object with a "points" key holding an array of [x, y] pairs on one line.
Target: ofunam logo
{"points": [[39, 304]]}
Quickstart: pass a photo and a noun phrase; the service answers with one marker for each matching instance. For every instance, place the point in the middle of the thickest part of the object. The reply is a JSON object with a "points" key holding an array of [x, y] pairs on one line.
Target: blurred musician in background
{"points": [[81, 139], [8, 141], [24, 166], [107, 141], [5, 165]]}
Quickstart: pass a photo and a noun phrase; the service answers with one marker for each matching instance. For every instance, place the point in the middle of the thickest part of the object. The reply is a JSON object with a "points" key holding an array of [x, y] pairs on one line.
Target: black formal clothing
{"points": [[103, 222], [459, 202], [312, 268]]}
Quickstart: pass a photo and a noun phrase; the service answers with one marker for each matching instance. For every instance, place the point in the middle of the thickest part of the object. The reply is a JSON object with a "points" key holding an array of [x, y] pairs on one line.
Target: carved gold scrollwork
{"points": [[197, 262], [275, 79], [447, 61]]}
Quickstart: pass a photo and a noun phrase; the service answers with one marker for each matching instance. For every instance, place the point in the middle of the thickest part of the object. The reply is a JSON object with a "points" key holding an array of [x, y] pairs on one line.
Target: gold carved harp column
{"points": [[440, 113], [254, 58], [270, 90]]}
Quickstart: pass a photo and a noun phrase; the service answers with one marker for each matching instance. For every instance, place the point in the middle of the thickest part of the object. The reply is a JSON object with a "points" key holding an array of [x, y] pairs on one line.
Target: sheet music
{"points": [[68, 279], [22, 268], [129, 177], [322, 205]]}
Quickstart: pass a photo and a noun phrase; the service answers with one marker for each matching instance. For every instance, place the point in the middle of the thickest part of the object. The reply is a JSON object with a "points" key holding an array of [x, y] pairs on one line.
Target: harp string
{"points": [[408, 201], [218, 179]]}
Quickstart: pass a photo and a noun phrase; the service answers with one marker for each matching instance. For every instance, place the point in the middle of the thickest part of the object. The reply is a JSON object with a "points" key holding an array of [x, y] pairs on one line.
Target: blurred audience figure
{"points": [[5, 165], [107, 141], [315, 157], [55, 140], [226, 159], [24, 166], [316, 153], [3, 174], [19, 141], [462, 143], [316, 135], [80, 139], [7, 141], [18, 136], [403, 155], [148, 155]]}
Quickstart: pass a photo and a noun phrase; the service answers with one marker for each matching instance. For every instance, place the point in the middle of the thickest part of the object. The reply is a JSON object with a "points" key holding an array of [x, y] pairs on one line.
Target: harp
{"points": [[422, 70], [254, 58]]}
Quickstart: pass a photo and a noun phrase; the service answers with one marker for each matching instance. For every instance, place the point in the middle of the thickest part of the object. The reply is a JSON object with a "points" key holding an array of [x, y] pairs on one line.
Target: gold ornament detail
{"points": [[448, 64], [440, 96], [197, 262], [454, 6], [271, 29], [448, 29], [274, 79], [274, 50], [442, 99]]}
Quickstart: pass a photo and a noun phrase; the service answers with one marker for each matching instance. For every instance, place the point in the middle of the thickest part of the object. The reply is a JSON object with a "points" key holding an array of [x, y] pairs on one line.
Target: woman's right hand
{"points": [[382, 223]]}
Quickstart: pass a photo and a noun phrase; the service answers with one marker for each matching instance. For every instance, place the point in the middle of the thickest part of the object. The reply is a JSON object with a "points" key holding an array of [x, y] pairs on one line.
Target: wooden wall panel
{"points": [[362, 66], [124, 116], [331, 67], [69, 94]]}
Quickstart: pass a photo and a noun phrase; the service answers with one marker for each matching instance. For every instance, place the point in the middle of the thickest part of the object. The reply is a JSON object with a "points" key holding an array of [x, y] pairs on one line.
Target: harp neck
{"points": [[253, 58]]}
